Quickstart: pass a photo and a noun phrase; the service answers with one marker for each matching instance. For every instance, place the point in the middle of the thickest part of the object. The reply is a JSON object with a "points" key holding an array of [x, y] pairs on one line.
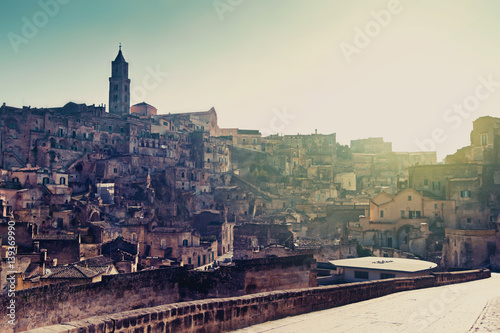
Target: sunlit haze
{"points": [[400, 80]]}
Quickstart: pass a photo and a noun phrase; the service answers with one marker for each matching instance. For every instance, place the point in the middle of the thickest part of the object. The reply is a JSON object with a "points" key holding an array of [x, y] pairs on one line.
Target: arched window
{"points": [[185, 242], [134, 237], [163, 244], [62, 181]]}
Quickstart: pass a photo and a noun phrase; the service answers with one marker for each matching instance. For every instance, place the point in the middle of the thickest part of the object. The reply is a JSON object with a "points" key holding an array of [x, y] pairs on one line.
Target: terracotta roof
{"points": [[56, 237], [69, 272], [95, 261]]}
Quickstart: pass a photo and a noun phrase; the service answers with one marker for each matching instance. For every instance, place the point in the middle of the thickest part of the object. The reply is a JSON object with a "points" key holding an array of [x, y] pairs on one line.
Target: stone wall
{"points": [[59, 303], [48, 305], [216, 315]]}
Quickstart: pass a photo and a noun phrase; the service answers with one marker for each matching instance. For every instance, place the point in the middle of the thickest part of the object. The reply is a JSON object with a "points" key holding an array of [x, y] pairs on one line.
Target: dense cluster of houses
{"points": [[96, 192]]}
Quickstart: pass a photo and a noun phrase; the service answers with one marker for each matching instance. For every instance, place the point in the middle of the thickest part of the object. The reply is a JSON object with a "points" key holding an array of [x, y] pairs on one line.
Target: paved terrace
{"points": [[466, 307]]}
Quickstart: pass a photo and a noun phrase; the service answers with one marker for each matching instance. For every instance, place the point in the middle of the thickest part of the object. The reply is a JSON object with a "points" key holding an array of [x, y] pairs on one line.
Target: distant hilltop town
{"points": [[96, 192]]}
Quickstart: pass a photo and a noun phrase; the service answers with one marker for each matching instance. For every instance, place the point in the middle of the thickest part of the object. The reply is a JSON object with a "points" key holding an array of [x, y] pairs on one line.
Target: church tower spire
{"points": [[119, 86]]}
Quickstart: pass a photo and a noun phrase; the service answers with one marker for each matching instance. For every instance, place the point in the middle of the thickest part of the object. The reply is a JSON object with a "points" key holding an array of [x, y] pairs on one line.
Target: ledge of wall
{"points": [[225, 314]]}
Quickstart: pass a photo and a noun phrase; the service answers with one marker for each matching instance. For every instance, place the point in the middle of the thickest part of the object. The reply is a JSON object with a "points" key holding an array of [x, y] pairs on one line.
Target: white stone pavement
{"points": [[467, 307]]}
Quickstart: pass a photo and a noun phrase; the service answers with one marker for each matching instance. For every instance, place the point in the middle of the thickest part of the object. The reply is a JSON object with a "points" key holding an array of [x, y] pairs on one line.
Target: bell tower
{"points": [[119, 86]]}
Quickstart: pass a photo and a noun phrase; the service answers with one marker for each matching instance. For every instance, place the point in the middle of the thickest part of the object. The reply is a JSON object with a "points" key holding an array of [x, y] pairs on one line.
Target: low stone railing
{"points": [[225, 314]]}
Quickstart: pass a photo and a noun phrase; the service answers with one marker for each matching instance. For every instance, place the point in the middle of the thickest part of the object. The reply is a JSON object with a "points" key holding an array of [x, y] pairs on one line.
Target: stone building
{"points": [[211, 225], [143, 109], [119, 86], [371, 146], [248, 139], [403, 221]]}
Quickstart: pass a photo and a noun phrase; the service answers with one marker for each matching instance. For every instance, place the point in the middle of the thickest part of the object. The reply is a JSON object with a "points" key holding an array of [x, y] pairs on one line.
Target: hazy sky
{"points": [[335, 66]]}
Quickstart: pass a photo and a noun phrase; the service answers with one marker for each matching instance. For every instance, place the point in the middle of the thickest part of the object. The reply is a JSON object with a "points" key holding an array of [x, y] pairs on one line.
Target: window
{"points": [[189, 261], [381, 213], [414, 214], [110, 129], [244, 140], [12, 126], [409, 198], [204, 259], [163, 244], [62, 181], [115, 170], [465, 194], [403, 214], [426, 182], [185, 242], [361, 275], [436, 186], [484, 139], [60, 132], [435, 206], [134, 237], [469, 220], [116, 87], [387, 276], [74, 134]]}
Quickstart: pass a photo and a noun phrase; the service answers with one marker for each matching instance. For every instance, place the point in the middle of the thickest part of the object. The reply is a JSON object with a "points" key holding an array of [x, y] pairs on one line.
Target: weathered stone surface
{"points": [[237, 312]]}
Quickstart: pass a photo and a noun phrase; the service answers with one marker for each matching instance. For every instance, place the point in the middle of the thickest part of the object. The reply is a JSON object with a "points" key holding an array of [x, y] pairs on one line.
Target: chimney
{"points": [[54, 262], [36, 247], [43, 258]]}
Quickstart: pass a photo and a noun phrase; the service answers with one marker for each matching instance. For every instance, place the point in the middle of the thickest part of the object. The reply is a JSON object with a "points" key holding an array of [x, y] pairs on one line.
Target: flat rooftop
{"points": [[386, 264]]}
